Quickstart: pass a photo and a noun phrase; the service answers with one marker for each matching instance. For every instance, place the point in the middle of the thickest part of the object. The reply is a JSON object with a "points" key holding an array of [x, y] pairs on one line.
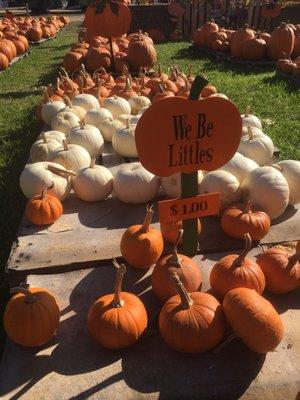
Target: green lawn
{"points": [[276, 102]]}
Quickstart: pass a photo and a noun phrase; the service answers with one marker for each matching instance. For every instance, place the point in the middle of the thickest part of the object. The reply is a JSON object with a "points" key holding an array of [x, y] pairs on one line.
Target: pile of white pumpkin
{"points": [[65, 156]]}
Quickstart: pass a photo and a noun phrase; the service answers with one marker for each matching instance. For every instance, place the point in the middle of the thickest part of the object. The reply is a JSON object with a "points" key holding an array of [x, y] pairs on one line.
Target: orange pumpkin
{"points": [[31, 316], [4, 63], [157, 35], [35, 34], [108, 18], [142, 245], [141, 54], [6, 50], [171, 230], [296, 50], [234, 271], [281, 269], [213, 36], [191, 322], [237, 220], [117, 320], [208, 28], [238, 40], [208, 90], [43, 209], [282, 42], [188, 270], [199, 37], [266, 37], [72, 61], [98, 57], [254, 49], [253, 319]]}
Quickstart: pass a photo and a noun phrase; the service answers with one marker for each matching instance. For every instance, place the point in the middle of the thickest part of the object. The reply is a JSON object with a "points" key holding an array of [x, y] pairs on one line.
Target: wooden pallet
{"points": [[42, 41]]}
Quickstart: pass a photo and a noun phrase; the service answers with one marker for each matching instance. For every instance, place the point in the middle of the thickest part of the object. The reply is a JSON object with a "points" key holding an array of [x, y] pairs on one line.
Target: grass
{"points": [[275, 101]]}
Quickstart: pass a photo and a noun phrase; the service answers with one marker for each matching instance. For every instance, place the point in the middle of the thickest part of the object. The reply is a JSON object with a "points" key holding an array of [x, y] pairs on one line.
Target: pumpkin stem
{"points": [[82, 124], [64, 72], [93, 162], [121, 269], [225, 342], [247, 111], [29, 297], [175, 259], [127, 84], [186, 301], [44, 191], [294, 258], [81, 84], [128, 123], [241, 258], [65, 144], [250, 133], [248, 207], [148, 219], [67, 101], [44, 137], [60, 171]]}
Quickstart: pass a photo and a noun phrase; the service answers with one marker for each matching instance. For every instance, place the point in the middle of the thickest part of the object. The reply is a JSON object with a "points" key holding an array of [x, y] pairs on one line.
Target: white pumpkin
{"points": [[257, 146], [123, 141], [43, 148], [137, 103], [133, 184], [172, 184], [223, 182], [94, 183], [71, 156], [239, 166], [223, 96], [268, 189], [53, 135], [250, 119], [77, 110], [109, 127], [86, 101], [89, 137], [38, 176], [134, 119], [291, 171], [117, 105], [245, 131], [96, 117], [65, 121], [50, 109]]}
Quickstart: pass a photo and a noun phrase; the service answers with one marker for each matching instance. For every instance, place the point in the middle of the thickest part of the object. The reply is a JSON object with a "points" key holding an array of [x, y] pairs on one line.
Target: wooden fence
{"points": [[200, 11]]}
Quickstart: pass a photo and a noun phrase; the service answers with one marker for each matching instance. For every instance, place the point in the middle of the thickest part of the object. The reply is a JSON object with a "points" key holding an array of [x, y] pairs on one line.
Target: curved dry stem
{"points": [[29, 297], [121, 269], [241, 258], [186, 301]]}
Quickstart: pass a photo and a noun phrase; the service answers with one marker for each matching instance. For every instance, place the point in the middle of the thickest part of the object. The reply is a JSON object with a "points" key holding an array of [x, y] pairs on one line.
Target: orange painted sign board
{"points": [[182, 135], [202, 205]]}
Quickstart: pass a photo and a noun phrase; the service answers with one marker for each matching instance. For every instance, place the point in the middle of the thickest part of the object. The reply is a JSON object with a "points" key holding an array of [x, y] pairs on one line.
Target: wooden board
{"points": [[71, 366], [43, 40]]}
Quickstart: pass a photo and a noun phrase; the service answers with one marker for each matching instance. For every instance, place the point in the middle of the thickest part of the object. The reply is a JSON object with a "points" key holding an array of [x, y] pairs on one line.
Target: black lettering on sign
{"points": [[203, 129], [182, 130]]}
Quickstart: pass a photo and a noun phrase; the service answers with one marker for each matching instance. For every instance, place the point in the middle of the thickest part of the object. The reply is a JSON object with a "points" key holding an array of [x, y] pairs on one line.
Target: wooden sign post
{"points": [[187, 135]]}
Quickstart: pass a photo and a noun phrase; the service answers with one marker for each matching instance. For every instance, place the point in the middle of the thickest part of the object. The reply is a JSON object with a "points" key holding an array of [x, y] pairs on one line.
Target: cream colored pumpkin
{"points": [[71, 156], [223, 182], [42, 149], [65, 121], [86, 101], [239, 166], [134, 119], [171, 185], [109, 128], [133, 184], [268, 189], [77, 110], [94, 183], [123, 141], [223, 96], [137, 103], [50, 109], [53, 135], [38, 176], [89, 137], [245, 131], [250, 119], [117, 105], [257, 146], [291, 171], [96, 117]]}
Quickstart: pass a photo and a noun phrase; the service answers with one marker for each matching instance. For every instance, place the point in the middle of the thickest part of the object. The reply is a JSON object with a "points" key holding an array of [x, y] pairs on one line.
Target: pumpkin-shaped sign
{"points": [[107, 18], [181, 135]]}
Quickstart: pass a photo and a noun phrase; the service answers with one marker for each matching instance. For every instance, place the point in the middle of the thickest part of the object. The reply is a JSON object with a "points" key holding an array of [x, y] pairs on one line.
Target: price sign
{"points": [[188, 208]]}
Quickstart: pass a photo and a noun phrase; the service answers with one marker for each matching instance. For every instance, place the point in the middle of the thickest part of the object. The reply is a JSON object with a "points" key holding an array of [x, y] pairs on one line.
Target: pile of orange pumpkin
{"points": [[235, 300], [289, 66], [245, 43], [134, 51], [17, 32]]}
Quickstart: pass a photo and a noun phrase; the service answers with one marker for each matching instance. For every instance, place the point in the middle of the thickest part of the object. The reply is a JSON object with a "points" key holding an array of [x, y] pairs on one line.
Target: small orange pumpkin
{"points": [[171, 230], [117, 320], [43, 209], [142, 245], [281, 269], [188, 270], [237, 220], [4, 63], [72, 61], [208, 90], [234, 271], [31, 317], [191, 322]]}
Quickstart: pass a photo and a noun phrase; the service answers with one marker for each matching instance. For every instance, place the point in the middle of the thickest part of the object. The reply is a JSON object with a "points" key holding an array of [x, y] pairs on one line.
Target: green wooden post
{"points": [[189, 184]]}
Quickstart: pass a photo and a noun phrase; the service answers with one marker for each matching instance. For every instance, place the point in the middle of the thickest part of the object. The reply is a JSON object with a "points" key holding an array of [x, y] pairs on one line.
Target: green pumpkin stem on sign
{"points": [[189, 183]]}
